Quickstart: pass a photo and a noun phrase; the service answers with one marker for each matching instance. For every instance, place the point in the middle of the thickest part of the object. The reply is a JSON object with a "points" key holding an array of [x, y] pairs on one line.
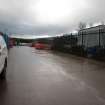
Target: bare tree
{"points": [[82, 25], [90, 24], [102, 23]]}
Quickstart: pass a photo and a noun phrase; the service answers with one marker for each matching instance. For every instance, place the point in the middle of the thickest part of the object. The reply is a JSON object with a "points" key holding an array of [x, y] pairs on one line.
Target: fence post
{"points": [[82, 44], [99, 37], [82, 39]]}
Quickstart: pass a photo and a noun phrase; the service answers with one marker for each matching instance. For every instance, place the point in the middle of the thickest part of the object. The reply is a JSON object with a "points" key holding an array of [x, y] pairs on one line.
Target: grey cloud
{"points": [[15, 16]]}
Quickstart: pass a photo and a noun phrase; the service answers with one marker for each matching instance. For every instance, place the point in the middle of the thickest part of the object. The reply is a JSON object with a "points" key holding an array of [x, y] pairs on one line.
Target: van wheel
{"points": [[3, 73]]}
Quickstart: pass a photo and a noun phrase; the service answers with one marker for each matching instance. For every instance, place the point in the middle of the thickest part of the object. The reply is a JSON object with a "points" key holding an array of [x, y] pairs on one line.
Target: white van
{"points": [[3, 57]]}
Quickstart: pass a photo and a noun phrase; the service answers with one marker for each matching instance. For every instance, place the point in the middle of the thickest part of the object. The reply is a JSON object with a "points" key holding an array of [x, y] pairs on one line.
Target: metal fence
{"points": [[87, 42], [92, 39], [92, 42]]}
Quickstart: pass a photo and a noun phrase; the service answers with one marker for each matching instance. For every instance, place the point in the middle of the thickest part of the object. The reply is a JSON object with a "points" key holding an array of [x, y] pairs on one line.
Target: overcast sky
{"points": [[41, 17]]}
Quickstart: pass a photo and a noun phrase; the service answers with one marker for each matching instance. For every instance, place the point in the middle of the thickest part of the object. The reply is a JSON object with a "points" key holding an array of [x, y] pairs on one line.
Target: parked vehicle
{"points": [[3, 57], [41, 46]]}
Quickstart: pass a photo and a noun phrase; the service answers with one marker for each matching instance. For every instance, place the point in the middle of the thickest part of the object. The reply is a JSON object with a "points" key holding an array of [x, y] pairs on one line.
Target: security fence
{"points": [[92, 41], [88, 42]]}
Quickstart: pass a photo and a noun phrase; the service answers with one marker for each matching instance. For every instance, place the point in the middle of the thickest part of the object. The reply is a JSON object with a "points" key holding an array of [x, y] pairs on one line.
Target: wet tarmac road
{"points": [[45, 78]]}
